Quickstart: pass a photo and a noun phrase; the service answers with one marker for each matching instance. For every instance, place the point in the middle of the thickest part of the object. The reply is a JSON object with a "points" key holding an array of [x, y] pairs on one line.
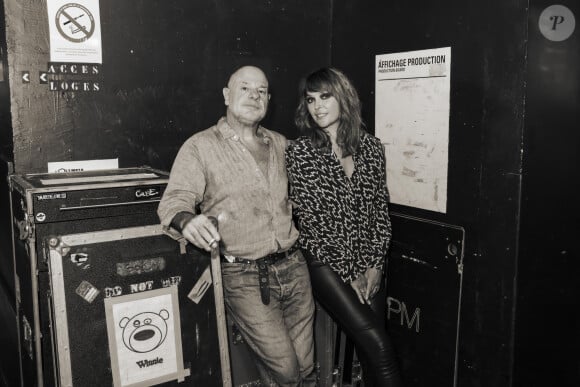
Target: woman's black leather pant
{"points": [[363, 325]]}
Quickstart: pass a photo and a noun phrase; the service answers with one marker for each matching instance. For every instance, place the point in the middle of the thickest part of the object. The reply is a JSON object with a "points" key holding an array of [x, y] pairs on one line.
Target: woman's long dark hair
{"points": [[350, 126]]}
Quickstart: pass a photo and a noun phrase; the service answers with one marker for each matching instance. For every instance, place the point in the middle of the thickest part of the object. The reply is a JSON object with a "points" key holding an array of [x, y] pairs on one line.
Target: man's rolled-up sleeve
{"points": [[186, 184]]}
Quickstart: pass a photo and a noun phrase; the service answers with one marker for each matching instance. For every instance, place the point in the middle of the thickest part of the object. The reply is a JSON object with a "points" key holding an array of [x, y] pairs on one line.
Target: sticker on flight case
{"points": [[79, 258], [141, 266], [41, 217], [200, 287], [51, 196], [153, 192], [87, 291], [144, 333]]}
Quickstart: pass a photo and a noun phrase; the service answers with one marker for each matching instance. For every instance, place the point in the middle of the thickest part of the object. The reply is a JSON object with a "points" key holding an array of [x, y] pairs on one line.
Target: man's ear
{"points": [[226, 92]]}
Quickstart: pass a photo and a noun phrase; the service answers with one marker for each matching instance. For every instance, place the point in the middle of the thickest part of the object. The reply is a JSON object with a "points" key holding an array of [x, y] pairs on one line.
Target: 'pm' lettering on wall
{"points": [[398, 307]]}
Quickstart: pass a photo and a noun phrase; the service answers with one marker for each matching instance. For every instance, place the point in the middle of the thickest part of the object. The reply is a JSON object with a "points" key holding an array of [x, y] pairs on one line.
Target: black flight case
{"points": [[105, 295]]}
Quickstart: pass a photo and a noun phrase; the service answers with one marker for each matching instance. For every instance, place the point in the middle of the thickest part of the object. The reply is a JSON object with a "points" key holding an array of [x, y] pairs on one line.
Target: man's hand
{"points": [[201, 232], [360, 285], [373, 277]]}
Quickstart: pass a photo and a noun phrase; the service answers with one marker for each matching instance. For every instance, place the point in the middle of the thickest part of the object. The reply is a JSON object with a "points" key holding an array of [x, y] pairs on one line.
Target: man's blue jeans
{"points": [[281, 333]]}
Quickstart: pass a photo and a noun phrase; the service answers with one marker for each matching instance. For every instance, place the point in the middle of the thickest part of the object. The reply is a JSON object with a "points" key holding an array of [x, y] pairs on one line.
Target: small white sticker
{"points": [[79, 257], [201, 286], [87, 291], [41, 217], [557, 23]]}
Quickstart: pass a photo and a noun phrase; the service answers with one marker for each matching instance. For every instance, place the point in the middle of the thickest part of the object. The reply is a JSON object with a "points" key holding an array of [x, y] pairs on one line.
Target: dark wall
{"points": [[164, 66], [513, 173], [6, 157], [8, 335], [513, 132], [164, 80], [548, 320], [488, 50], [6, 145]]}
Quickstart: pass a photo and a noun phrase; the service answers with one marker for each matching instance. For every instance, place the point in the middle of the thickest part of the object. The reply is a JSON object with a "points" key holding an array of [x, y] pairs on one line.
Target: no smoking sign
{"points": [[75, 23], [75, 31]]}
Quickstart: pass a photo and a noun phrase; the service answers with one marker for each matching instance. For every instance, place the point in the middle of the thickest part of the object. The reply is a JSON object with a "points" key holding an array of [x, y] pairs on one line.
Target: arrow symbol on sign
{"points": [[26, 77], [43, 75]]}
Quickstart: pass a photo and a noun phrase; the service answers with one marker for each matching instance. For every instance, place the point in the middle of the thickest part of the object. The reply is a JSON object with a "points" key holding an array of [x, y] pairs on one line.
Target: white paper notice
{"points": [[412, 92], [82, 165], [75, 31]]}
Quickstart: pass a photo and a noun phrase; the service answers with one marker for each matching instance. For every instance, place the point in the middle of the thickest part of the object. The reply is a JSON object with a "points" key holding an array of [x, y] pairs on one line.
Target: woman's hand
{"points": [[373, 278], [360, 287]]}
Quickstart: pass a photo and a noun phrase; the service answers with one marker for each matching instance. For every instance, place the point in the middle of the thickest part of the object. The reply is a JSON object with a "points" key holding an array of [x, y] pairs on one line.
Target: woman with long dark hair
{"points": [[338, 188]]}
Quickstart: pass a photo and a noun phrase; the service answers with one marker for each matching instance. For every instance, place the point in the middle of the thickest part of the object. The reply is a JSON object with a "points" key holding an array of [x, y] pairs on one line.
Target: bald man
{"points": [[235, 172]]}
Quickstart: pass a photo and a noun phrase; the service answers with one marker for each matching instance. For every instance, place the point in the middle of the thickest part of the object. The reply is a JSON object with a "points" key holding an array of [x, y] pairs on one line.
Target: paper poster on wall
{"points": [[75, 31], [144, 334], [412, 91]]}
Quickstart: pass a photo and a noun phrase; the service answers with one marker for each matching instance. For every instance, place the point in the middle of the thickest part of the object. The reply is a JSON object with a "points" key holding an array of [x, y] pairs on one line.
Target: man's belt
{"points": [[262, 265]]}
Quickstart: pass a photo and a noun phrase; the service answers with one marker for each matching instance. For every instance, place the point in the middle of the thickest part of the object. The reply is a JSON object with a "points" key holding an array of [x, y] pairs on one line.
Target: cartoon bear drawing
{"points": [[145, 331]]}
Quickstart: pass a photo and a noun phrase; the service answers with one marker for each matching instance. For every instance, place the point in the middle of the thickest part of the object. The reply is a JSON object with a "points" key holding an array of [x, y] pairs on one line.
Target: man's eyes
{"points": [[246, 89]]}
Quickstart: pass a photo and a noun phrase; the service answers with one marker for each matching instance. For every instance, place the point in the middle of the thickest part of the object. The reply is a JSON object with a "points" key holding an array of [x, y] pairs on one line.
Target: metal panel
{"points": [[424, 293]]}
